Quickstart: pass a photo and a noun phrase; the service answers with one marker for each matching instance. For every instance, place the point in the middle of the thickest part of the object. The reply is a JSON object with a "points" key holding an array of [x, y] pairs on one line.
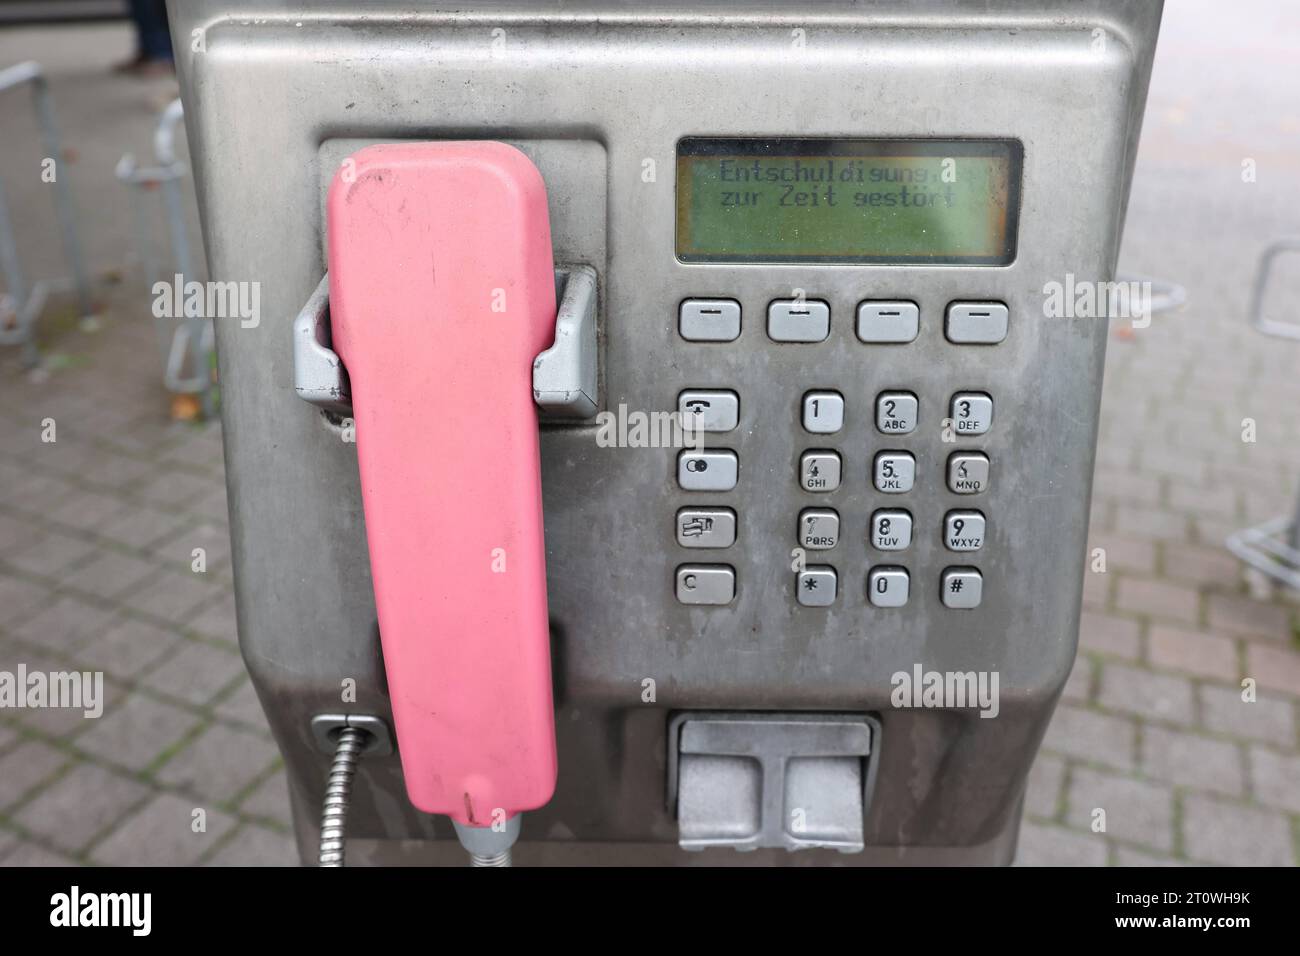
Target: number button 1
{"points": [[823, 412]]}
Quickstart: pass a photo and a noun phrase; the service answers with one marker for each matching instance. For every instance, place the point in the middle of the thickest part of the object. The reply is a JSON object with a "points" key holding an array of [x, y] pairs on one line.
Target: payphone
{"points": [[682, 409]]}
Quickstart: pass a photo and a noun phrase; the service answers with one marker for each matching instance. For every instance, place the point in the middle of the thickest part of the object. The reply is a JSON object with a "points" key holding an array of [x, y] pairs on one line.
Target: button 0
{"points": [[975, 323], [891, 530], [971, 413], [888, 322], [968, 472], [896, 412], [888, 586], [709, 320], [712, 410], [798, 320], [963, 530], [707, 470], [894, 472], [962, 587], [823, 412], [819, 470], [706, 527], [706, 584], [819, 529], [816, 586]]}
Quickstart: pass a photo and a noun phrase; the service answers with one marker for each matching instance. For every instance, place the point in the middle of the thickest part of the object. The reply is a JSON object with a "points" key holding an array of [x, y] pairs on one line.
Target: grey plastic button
{"points": [[712, 410], [888, 586], [707, 470], [894, 472], [968, 472], [975, 323], [962, 587], [819, 470], [706, 527], [823, 412], [971, 413], [709, 320], [888, 322], [819, 529], [816, 586], [896, 412], [891, 530], [963, 530], [798, 320], [706, 584]]}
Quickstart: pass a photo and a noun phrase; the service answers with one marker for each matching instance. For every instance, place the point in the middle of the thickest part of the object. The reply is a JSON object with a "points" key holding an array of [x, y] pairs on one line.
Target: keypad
{"points": [[891, 531]]}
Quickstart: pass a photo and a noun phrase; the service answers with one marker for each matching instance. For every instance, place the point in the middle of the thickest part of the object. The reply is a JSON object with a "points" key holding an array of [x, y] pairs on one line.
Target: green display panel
{"points": [[944, 202]]}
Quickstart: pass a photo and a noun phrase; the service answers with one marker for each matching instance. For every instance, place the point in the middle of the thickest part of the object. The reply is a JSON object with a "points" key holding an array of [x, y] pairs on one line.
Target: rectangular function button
{"points": [[816, 586], [896, 413], [975, 323], [963, 530], [819, 529], [888, 322], [709, 320], [894, 472], [823, 412], [968, 472], [971, 413], [891, 529], [706, 527], [888, 586], [707, 470], [712, 410], [819, 470], [962, 587], [706, 584], [798, 320]]}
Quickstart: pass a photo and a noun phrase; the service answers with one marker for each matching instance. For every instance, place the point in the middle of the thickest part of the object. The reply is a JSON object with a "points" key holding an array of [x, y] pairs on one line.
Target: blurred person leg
{"points": [[153, 40]]}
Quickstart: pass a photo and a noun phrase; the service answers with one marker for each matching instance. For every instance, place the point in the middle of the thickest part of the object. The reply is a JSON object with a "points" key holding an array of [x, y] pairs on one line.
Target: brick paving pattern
{"points": [[97, 531]]}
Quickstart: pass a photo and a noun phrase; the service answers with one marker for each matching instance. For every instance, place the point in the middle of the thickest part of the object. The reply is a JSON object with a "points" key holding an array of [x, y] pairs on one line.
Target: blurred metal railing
{"points": [[22, 305], [191, 341], [1274, 546]]}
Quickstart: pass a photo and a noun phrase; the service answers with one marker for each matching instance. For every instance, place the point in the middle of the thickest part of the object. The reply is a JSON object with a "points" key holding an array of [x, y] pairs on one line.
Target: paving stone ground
{"points": [[98, 529]]}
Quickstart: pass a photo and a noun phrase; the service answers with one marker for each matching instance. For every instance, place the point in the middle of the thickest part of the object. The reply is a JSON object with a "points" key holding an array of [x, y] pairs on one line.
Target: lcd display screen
{"points": [[937, 202]]}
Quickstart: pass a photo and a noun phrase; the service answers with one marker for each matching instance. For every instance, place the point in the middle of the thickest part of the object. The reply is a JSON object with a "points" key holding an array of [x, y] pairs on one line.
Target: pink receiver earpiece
{"points": [[442, 291]]}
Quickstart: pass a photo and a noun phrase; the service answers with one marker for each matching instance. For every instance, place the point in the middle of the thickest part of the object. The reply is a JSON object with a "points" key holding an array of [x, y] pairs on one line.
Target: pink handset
{"points": [[442, 291]]}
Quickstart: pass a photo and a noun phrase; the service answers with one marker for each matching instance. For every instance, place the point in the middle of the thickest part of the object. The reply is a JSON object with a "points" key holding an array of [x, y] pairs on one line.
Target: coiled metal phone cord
{"points": [[338, 788]]}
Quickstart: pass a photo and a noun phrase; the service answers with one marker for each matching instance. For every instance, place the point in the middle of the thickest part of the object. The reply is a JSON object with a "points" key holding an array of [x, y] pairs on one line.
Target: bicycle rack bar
{"points": [[193, 337], [1274, 546], [28, 303]]}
